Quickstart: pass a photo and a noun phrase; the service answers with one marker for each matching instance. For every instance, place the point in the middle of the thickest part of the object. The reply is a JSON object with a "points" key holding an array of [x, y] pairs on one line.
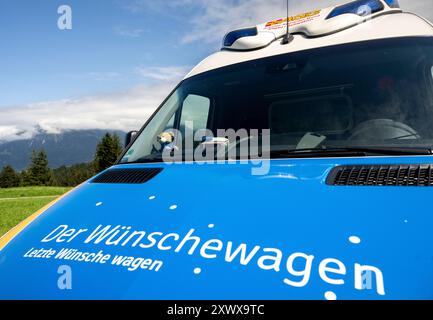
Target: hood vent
{"points": [[382, 175], [127, 176]]}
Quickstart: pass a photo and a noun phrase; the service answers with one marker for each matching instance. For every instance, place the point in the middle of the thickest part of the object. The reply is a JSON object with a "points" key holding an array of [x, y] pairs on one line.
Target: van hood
{"points": [[214, 231]]}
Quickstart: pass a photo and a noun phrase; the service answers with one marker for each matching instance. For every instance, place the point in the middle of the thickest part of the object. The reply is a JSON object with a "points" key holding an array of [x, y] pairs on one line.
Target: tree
{"points": [[107, 151], [24, 177], [38, 173], [9, 178], [73, 175]]}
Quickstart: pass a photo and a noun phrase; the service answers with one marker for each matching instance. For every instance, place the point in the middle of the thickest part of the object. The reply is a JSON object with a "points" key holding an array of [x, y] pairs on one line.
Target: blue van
{"points": [[296, 163]]}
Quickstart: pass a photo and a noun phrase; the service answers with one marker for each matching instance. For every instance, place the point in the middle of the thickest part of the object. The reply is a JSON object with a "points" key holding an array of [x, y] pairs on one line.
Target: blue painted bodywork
{"points": [[291, 209]]}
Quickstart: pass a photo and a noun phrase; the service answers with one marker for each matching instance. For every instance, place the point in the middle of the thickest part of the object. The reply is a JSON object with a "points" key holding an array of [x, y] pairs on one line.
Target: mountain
{"points": [[67, 148]]}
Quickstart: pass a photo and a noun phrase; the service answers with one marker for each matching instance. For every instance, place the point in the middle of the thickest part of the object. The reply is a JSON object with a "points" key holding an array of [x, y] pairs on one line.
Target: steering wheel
{"points": [[383, 129]]}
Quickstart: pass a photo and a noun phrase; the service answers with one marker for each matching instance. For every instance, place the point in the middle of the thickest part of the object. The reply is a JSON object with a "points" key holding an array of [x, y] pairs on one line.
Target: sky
{"points": [[120, 59]]}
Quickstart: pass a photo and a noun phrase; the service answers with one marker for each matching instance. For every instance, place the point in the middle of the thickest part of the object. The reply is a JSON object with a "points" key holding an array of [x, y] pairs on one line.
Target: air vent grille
{"points": [[382, 175], [127, 176]]}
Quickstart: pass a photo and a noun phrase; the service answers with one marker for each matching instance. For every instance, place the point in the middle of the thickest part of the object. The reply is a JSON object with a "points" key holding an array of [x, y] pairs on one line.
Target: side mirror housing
{"points": [[129, 137]]}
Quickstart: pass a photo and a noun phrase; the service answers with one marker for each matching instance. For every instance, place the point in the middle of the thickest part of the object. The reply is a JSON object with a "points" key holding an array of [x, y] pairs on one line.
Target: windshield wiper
{"points": [[152, 158], [324, 151], [331, 151], [158, 157]]}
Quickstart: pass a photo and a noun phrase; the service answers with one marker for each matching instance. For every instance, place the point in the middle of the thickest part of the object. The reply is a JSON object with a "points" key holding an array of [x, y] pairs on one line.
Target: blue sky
{"points": [[110, 41], [119, 61]]}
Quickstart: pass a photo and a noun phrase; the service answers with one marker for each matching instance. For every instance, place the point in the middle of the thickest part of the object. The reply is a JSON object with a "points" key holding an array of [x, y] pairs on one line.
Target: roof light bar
{"points": [[310, 24]]}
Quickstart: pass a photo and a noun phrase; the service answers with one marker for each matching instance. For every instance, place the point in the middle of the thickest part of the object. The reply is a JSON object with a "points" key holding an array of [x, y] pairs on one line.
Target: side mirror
{"points": [[129, 137]]}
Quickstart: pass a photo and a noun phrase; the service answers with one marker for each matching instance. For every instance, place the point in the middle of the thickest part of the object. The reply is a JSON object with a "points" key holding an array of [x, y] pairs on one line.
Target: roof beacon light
{"points": [[392, 3], [232, 36], [360, 7], [247, 39]]}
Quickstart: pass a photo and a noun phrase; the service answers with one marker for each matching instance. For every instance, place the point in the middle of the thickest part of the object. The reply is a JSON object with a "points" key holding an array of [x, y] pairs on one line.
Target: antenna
{"points": [[287, 37]]}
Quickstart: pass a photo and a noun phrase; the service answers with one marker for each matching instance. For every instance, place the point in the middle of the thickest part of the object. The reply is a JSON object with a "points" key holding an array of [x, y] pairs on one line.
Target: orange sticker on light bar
{"points": [[293, 18]]}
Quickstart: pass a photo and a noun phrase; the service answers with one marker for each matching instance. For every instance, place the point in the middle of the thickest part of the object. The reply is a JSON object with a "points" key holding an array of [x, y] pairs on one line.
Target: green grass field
{"points": [[16, 204]]}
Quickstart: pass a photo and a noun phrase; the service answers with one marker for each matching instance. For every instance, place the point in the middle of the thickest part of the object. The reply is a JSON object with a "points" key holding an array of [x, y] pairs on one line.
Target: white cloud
{"points": [[126, 32], [219, 17], [157, 6], [94, 76], [421, 7], [163, 73], [11, 132], [121, 111]]}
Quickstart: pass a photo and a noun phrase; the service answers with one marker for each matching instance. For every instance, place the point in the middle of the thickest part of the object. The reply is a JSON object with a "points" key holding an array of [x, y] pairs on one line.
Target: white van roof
{"points": [[308, 34]]}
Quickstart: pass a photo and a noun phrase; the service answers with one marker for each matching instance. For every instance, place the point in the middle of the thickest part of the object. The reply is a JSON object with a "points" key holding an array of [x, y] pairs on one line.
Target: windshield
{"points": [[370, 94]]}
